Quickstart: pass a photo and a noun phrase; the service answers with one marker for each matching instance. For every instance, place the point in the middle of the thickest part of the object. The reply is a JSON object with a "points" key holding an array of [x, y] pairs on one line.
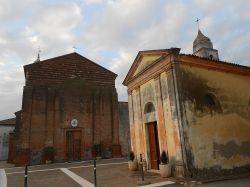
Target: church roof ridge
{"points": [[171, 49], [52, 58], [216, 61], [66, 55], [10, 121]]}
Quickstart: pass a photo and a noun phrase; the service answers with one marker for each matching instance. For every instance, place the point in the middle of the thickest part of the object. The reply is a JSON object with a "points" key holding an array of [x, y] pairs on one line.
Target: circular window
{"points": [[74, 122]]}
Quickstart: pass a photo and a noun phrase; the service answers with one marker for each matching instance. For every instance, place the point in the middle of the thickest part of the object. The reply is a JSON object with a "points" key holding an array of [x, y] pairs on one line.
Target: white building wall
{"points": [[4, 141]]}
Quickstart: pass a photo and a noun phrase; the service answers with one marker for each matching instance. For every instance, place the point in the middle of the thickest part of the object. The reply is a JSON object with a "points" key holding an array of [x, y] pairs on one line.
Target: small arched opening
{"points": [[149, 107], [211, 102]]}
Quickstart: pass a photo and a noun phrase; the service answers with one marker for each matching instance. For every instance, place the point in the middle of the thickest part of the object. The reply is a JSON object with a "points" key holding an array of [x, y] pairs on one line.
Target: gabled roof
{"points": [[58, 69], [11, 121], [215, 64], [139, 65], [191, 60]]}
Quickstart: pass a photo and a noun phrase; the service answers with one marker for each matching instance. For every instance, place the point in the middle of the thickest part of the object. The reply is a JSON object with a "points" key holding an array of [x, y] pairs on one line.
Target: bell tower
{"points": [[203, 47]]}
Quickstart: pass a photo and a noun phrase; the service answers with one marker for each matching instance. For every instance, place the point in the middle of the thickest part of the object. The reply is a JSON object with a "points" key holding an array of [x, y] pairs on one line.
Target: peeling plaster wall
{"points": [[217, 142], [160, 92], [147, 93], [170, 117]]}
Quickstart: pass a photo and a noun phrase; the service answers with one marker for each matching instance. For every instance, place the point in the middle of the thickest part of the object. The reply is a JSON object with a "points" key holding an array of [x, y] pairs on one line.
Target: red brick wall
{"points": [[57, 91]]}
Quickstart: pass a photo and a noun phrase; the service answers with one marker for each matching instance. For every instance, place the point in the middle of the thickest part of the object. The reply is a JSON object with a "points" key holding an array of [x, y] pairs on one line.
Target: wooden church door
{"points": [[73, 145], [153, 145]]}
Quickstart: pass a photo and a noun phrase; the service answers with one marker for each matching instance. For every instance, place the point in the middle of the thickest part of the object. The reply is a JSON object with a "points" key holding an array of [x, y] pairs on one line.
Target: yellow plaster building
{"points": [[195, 107]]}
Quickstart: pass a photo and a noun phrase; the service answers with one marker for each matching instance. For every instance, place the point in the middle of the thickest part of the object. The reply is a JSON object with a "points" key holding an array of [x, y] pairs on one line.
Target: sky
{"points": [[111, 32]]}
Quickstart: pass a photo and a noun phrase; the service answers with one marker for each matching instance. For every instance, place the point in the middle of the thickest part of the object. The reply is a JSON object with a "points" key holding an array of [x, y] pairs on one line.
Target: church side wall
{"points": [[124, 128], [217, 137]]}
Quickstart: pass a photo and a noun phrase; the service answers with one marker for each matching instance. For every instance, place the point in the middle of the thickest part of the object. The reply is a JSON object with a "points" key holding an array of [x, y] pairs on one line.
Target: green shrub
{"points": [[131, 156], [49, 153], [164, 158], [97, 148]]}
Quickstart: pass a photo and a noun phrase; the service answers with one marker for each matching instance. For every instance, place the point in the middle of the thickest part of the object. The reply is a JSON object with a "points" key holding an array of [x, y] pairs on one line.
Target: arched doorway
{"points": [[153, 141]]}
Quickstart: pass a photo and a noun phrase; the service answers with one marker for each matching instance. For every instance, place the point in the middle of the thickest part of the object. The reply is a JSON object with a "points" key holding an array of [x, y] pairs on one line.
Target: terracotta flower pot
{"points": [[165, 170], [132, 165]]}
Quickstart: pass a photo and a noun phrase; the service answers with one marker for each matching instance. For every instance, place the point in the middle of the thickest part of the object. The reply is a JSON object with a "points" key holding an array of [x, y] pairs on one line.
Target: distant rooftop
{"points": [[11, 121]]}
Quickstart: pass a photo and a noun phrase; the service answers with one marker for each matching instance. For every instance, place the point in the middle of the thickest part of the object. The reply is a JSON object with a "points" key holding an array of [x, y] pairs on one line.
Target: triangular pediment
{"points": [[144, 60]]}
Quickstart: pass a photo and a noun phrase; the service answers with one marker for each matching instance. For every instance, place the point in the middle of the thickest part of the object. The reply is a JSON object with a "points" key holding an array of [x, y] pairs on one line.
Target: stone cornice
{"points": [[151, 73], [214, 65], [164, 53]]}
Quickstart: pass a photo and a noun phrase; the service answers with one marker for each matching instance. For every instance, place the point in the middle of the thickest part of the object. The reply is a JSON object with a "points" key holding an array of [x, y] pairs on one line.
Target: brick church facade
{"points": [[69, 104]]}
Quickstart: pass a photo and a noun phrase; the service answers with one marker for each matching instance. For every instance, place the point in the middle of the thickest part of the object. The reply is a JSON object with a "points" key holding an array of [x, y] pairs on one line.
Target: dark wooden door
{"points": [[153, 145], [73, 145]]}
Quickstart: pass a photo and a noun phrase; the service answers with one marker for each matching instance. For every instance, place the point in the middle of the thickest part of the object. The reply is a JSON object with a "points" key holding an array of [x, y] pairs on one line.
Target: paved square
{"points": [[110, 173]]}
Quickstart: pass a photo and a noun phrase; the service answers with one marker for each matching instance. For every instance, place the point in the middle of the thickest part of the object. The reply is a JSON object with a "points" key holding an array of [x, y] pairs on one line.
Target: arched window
{"points": [[149, 108], [208, 100], [211, 102]]}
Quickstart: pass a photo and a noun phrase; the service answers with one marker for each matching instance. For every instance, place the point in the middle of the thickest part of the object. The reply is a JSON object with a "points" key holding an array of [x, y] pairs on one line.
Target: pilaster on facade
{"points": [[180, 153], [115, 119], [132, 124], [49, 126], [140, 122], [160, 115]]}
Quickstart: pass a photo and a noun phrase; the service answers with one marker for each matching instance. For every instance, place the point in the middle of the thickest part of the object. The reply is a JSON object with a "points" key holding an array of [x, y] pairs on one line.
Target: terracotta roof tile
{"points": [[57, 70], [11, 121], [217, 61]]}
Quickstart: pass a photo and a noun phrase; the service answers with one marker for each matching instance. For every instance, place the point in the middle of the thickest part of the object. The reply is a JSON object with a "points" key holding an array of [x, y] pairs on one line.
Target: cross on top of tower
{"points": [[74, 48], [38, 55], [197, 21]]}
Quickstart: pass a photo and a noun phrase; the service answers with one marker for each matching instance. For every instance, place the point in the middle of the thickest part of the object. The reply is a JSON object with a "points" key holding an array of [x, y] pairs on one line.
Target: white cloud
{"points": [[11, 10], [116, 24], [94, 1], [50, 27], [167, 31], [10, 93], [111, 33], [53, 28], [121, 65]]}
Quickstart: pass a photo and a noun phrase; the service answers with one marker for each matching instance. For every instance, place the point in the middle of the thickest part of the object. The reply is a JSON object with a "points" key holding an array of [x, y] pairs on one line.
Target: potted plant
{"points": [[96, 151], [132, 163], [49, 154], [165, 167]]}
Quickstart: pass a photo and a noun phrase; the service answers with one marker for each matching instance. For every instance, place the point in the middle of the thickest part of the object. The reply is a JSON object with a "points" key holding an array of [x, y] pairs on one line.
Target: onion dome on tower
{"points": [[203, 47]]}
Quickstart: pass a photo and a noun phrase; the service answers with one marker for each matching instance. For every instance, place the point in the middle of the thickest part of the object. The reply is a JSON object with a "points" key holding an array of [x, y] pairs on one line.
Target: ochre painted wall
{"points": [[160, 92], [217, 141]]}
